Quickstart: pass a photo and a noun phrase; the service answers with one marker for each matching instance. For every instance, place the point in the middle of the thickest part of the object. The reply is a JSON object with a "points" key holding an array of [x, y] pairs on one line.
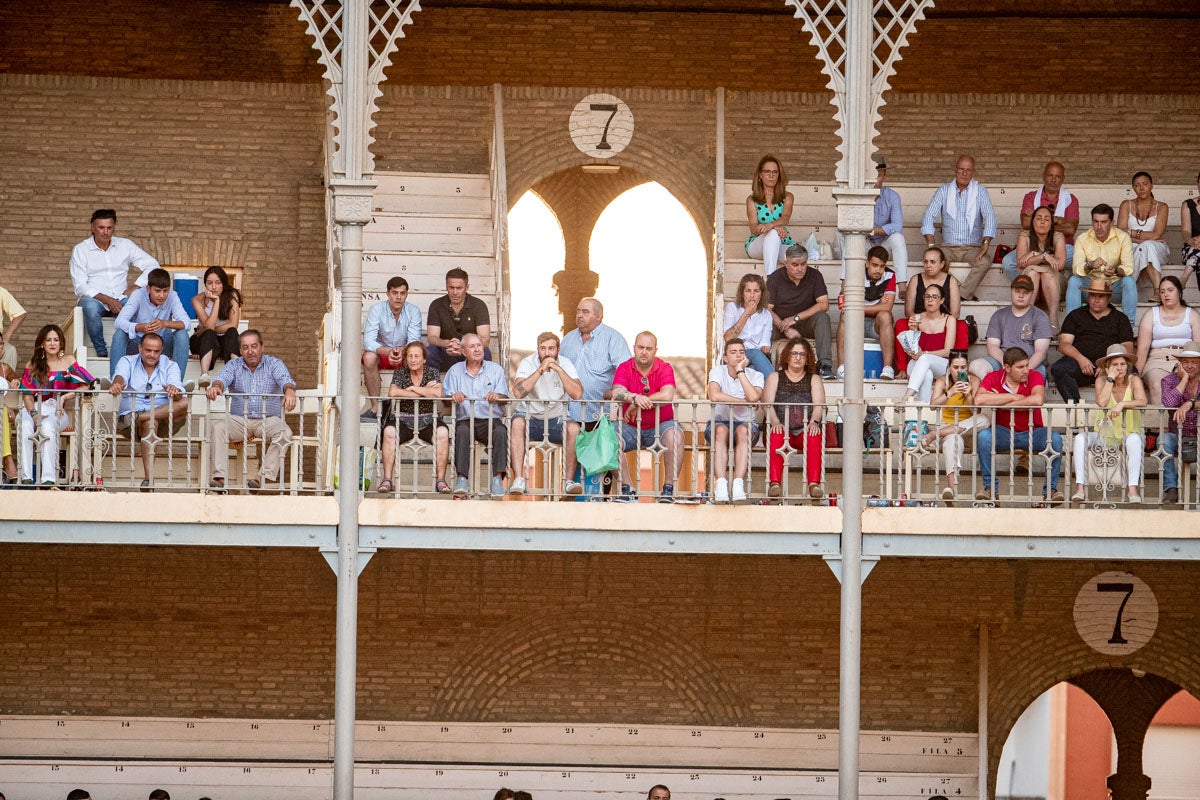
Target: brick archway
{"points": [[1047, 662], [613, 649]]}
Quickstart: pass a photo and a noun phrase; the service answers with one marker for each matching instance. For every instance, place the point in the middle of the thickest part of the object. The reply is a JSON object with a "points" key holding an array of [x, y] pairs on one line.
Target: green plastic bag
{"points": [[597, 449]]}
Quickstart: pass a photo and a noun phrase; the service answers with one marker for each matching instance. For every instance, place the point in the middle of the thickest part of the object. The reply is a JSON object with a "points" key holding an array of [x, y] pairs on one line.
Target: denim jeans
{"points": [[1125, 287], [1009, 263], [1006, 440], [93, 312], [1170, 474], [175, 346], [760, 360]]}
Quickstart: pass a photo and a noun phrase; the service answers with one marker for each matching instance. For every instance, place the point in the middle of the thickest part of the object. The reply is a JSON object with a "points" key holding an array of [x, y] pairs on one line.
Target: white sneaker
{"points": [[189, 387], [841, 372], [572, 487], [887, 374], [517, 486], [739, 491], [205, 381], [721, 491]]}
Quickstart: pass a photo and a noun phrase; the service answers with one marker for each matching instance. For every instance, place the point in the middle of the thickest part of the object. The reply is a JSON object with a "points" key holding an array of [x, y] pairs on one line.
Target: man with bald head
{"points": [[1065, 208], [645, 385], [968, 222], [596, 350], [479, 389], [658, 792]]}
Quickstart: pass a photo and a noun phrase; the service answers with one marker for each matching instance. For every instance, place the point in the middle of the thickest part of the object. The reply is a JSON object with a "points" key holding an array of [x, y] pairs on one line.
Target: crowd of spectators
{"points": [[780, 347]]}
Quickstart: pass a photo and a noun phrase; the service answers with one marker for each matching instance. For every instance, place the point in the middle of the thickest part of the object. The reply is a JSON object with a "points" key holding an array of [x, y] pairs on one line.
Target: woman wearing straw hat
{"points": [[1118, 394]]}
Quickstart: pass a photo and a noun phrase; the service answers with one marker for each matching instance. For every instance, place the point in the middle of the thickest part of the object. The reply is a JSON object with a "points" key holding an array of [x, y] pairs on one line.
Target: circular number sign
{"points": [[1116, 613], [601, 125]]}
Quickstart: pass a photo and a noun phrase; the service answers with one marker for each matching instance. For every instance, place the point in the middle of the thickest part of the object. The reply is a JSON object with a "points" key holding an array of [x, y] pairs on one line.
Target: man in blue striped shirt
{"points": [[261, 390], [968, 222]]}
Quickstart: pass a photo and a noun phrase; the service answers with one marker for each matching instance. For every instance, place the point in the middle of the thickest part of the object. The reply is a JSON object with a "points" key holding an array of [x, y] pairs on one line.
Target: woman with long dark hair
{"points": [[218, 311], [48, 388]]}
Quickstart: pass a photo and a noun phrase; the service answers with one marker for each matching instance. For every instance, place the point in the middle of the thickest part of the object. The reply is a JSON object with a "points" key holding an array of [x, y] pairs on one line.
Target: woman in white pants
{"points": [[1118, 394], [48, 389], [934, 332], [768, 211], [955, 393]]}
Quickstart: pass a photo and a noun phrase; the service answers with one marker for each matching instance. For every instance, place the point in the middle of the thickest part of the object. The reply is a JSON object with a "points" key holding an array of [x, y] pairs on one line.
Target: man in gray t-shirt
{"points": [[1020, 325]]}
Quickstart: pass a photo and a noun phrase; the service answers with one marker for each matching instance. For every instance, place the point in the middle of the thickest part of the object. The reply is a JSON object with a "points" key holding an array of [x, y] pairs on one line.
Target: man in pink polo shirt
{"points": [[645, 385]]}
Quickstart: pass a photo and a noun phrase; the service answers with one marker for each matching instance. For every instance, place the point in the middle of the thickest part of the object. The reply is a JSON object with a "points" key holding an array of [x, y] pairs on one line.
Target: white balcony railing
{"points": [[919, 458]]}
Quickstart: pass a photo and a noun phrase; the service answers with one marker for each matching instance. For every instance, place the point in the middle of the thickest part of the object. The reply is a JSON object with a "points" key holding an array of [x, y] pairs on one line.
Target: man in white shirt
{"points": [[100, 274], [391, 325], [152, 398], [550, 381], [733, 382]]}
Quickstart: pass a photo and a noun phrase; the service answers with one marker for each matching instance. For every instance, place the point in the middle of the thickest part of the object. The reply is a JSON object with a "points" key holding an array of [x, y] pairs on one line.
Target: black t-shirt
{"points": [[789, 299], [1094, 336], [455, 326]]}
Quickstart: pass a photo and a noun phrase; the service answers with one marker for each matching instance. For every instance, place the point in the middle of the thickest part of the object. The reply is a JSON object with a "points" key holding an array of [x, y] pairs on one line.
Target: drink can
{"points": [[833, 499], [841, 301]]}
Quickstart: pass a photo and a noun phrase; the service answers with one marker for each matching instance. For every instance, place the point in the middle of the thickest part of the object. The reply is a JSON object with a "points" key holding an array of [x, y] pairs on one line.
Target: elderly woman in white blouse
{"points": [[748, 318]]}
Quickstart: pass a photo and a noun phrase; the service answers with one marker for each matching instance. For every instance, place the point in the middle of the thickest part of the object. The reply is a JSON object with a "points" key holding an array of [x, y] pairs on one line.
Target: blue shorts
{"points": [[708, 429], [544, 430], [632, 436]]}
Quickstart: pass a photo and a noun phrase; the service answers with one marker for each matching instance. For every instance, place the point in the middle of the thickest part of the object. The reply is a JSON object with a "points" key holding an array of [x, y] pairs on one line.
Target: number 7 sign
{"points": [[1116, 613]]}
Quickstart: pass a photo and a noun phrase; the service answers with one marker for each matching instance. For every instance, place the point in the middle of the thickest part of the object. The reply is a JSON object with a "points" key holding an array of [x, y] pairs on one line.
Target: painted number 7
{"points": [[1127, 588], [611, 108]]}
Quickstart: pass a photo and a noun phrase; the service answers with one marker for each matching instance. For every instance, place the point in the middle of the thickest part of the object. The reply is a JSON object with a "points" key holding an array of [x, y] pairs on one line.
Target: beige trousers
{"points": [[274, 434]]}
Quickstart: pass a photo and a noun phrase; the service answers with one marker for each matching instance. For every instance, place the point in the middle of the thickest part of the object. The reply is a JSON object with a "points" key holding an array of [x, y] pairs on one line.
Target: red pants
{"points": [[960, 342], [809, 444]]}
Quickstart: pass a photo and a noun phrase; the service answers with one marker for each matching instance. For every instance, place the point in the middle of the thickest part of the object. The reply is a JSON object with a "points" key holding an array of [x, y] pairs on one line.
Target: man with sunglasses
{"points": [[645, 385]]}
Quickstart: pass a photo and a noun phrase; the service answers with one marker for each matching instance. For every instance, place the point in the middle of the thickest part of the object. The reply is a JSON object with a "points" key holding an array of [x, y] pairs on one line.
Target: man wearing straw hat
{"points": [[1087, 334], [1180, 388]]}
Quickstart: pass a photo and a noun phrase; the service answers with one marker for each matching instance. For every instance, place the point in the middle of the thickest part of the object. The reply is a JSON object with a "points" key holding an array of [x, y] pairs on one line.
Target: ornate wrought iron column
{"points": [[354, 41], [859, 43]]}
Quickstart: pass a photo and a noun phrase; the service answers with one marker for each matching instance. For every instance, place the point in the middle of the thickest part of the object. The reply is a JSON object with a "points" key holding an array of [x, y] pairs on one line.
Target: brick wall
{"points": [[715, 640], [190, 167], [963, 46]]}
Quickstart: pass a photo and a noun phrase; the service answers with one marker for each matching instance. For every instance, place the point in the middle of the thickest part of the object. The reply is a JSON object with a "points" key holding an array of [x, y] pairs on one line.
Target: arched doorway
{"points": [[648, 255], [536, 252], [1064, 747]]}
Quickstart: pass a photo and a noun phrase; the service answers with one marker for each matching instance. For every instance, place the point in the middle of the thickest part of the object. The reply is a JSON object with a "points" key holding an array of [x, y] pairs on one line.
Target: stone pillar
{"points": [[1130, 701], [573, 284]]}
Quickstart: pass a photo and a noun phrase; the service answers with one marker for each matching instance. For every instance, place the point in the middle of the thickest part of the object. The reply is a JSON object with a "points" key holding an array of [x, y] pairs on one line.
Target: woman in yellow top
{"points": [[1118, 394], [955, 393]]}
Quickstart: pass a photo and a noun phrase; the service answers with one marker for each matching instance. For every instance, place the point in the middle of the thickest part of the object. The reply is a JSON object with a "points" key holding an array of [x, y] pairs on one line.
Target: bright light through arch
{"points": [[653, 271], [536, 252]]}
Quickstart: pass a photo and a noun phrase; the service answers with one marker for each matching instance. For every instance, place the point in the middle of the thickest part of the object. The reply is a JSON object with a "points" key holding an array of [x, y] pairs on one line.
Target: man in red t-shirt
{"points": [[645, 384], [1013, 387]]}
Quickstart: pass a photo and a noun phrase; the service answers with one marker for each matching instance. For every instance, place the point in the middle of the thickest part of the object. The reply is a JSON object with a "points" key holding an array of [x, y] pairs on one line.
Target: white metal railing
{"points": [[915, 455]]}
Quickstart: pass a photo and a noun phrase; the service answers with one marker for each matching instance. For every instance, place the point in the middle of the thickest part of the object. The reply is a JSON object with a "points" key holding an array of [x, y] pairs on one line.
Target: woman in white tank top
{"points": [[1163, 332], [1145, 220]]}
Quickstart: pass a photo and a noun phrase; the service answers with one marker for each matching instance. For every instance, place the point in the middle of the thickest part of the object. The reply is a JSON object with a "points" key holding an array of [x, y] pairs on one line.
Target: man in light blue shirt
{"points": [[479, 390], [391, 324], [152, 398], [968, 223], [596, 350], [154, 309]]}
